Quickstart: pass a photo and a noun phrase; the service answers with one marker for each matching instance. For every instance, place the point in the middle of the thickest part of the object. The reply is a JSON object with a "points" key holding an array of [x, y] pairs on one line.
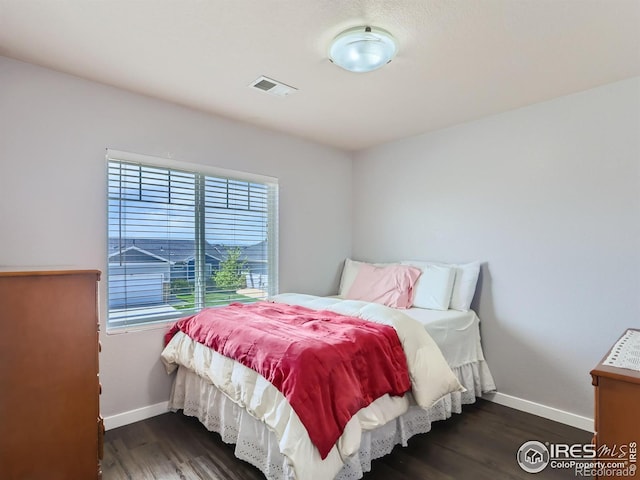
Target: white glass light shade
{"points": [[362, 49]]}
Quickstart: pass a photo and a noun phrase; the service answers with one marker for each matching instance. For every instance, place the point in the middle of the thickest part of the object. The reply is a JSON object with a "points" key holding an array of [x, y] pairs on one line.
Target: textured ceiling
{"points": [[458, 60]]}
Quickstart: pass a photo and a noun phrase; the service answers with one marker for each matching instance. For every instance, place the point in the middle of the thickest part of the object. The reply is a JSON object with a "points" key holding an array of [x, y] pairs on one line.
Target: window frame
{"points": [[201, 173]]}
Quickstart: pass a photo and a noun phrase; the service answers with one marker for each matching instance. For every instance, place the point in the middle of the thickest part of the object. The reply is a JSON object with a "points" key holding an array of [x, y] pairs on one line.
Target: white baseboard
{"points": [[560, 416], [132, 416]]}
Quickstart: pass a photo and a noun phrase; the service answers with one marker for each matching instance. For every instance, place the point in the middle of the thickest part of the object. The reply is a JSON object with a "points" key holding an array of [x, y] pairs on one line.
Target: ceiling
{"points": [[458, 60]]}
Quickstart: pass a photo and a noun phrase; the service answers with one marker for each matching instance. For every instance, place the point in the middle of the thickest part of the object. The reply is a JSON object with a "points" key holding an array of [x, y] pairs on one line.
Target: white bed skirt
{"points": [[258, 445]]}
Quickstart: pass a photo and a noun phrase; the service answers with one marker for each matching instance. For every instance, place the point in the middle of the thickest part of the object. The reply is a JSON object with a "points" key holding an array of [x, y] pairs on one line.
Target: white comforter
{"points": [[430, 375]]}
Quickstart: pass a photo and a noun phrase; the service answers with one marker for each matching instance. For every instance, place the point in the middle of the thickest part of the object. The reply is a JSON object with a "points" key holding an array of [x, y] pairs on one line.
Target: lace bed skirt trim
{"points": [[258, 445]]}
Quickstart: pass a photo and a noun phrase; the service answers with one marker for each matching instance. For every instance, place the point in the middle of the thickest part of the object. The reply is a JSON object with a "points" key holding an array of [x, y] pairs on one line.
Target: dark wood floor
{"points": [[479, 444]]}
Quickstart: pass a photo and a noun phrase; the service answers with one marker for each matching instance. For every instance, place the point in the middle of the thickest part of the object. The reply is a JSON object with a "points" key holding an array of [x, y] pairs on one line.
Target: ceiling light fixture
{"points": [[362, 49]]}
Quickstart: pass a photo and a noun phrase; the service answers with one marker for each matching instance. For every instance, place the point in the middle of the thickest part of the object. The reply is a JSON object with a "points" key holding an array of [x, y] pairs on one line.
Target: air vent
{"points": [[272, 87]]}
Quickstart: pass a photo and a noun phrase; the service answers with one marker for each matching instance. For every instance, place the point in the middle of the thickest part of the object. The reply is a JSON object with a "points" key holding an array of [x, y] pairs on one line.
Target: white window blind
{"points": [[182, 239]]}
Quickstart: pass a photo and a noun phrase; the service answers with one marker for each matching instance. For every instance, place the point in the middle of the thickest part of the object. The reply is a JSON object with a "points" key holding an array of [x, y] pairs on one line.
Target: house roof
{"points": [[129, 253], [176, 251]]}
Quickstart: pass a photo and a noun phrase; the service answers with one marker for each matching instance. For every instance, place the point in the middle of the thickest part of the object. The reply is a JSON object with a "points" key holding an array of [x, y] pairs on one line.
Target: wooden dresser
{"points": [[50, 425], [617, 410]]}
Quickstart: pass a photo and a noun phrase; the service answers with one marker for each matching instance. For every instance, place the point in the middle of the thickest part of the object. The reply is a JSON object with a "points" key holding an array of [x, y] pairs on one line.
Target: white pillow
{"points": [[464, 285], [349, 273], [433, 288]]}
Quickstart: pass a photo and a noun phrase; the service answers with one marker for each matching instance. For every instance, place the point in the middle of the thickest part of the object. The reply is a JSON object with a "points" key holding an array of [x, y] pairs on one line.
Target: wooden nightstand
{"points": [[617, 409]]}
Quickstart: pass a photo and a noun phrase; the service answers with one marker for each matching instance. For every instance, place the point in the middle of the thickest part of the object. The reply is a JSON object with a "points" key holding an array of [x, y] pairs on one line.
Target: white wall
{"points": [[548, 196], [54, 129]]}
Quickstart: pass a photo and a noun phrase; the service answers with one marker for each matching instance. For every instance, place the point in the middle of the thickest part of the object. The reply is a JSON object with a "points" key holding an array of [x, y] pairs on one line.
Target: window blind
{"points": [[182, 239]]}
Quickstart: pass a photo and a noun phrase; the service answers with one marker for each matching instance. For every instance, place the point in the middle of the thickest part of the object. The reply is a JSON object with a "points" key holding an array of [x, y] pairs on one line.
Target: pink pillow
{"points": [[391, 285]]}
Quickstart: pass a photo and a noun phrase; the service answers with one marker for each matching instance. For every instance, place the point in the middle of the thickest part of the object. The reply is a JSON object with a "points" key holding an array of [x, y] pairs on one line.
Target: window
{"points": [[184, 238]]}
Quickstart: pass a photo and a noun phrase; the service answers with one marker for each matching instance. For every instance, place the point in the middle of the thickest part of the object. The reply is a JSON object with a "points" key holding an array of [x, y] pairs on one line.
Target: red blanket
{"points": [[327, 365]]}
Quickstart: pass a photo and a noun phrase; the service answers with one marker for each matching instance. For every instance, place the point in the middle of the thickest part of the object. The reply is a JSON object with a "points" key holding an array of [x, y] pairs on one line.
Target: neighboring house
{"points": [[174, 258], [155, 263]]}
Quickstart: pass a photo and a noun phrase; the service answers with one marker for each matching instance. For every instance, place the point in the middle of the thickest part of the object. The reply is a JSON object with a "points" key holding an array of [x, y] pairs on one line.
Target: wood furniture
{"points": [[617, 409], [50, 425]]}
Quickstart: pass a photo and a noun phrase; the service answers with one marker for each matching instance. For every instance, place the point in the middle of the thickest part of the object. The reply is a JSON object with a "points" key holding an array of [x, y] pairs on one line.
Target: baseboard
{"points": [[132, 416], [560, 416]]}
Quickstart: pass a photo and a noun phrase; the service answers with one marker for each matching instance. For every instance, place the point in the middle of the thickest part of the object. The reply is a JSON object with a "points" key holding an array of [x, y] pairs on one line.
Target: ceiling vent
{"points": [[272, 87]]}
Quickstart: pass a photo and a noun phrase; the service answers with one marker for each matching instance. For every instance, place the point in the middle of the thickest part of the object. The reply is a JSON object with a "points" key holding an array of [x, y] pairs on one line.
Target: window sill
{"points": [[139, 327], [130, 323]]}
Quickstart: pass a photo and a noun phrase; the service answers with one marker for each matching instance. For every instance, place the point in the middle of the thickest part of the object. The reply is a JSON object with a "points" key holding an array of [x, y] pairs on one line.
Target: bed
{"points": [[248, 411]]}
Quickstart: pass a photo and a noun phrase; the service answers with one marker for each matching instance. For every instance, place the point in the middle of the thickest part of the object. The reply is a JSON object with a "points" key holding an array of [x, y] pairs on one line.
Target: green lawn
{"points": [[212, 299]]}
